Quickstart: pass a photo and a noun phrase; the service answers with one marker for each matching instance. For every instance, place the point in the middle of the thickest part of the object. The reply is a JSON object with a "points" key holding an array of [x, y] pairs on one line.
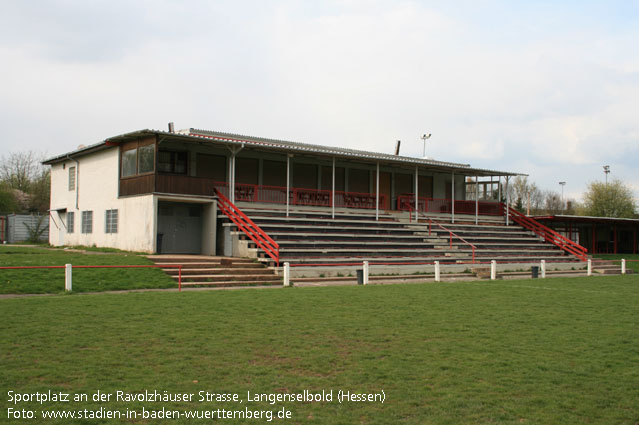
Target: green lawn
{"points": [[632, 260], [40, 281], [557, 351]]}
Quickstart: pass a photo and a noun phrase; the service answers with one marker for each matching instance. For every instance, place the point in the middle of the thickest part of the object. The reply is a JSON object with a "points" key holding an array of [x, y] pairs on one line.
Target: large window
{"points": [[71, 178], [172, 162], [146, 158], [87, 221], [139, 160], [129, 160], [70, 221], [111, 221]]}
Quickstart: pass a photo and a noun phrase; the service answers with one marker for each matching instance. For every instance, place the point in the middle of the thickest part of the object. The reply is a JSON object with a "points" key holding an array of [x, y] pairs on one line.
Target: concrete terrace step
{"points": [[258, 269], [226, 278], [235, 283]]}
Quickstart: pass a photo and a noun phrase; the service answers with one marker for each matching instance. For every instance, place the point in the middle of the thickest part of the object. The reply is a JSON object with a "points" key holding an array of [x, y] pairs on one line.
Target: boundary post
{"points": [[287, 274], [623, 266], [68, 277], [493, 269], [437, 272], [365, 272], [589, 267], [543, 268]]}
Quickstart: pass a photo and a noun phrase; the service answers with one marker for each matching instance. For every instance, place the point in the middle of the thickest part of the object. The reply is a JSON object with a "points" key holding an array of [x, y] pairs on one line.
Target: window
{"points": [[129, 159], [146, 158], [172, 162], [87, 221], [71, 178], [111, 221], [70, 221]]}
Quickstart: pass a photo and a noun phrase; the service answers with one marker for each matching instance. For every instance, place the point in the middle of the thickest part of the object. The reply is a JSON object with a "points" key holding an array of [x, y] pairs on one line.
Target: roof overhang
{"points": [[586, 219], [284, 147]]}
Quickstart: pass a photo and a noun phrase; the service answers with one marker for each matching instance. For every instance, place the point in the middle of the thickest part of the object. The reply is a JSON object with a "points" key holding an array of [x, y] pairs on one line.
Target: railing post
{"points": [[68, 277], [623, 266], [543, 268], [365, 267], [473, 254], [430, 225], [451, 240], [180, 278], [493, 269], [437, 272], [589, 272], [287, 274]]}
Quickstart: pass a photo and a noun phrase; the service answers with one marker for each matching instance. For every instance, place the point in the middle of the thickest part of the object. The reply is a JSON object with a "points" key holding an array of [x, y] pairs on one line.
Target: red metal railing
{"points": [[547, 234], [450, 235], [301, 196], [250, 229], [407, 201]]}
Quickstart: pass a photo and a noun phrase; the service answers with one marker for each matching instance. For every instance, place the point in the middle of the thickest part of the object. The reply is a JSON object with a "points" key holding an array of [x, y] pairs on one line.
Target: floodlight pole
{"points": [[425, 137], [562, 195]]}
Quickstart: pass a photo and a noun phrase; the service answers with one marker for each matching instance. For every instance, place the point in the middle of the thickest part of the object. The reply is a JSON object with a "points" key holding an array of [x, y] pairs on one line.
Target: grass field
{"points": [[558, 351], [41, 281]]}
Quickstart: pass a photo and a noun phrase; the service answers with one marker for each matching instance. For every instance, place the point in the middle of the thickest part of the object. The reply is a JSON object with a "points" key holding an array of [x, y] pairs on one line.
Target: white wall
{"points": [[97, 181]]}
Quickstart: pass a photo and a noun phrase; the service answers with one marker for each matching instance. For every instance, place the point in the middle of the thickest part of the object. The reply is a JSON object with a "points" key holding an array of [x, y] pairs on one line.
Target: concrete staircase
{"points": [[310, 237], [202, 270]]}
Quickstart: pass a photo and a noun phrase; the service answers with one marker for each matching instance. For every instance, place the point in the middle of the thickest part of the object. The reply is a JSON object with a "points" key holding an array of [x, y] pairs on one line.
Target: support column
{"points": [[452, 201], [594, 239], [416, 196], [615, 240], [634, 241], [333, 191], [377, 195], [498, 188], [476, 200], [507, 203], [288, 182], [232, 185]]}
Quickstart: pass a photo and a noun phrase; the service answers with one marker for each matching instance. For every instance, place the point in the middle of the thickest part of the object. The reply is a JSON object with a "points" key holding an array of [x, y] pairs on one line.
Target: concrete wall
{"points": [[97, 190]]}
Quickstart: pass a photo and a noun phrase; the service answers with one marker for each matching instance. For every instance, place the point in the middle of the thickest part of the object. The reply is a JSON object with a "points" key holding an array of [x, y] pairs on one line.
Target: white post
{"points": [[623, 266], [377, 195], [365, 272], [493, 269], [507, 202], [543, 268], [287, 274], [452, 207], [416, 191], [476, 199], [498, 188], [68, 277], [437, 272], [589, 267], [333, 193], [288, 181]]}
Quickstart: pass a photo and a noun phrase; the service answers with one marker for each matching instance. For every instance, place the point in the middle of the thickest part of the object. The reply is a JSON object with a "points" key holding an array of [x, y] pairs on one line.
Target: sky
{"points": [[545, 88]]}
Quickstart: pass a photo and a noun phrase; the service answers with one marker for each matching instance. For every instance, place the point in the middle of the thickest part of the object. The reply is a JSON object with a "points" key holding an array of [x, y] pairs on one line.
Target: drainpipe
{"points": [[77, 181]]}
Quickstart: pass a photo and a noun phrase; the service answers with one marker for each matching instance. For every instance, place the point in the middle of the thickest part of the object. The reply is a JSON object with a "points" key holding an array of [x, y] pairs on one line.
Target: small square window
{"points": [[87, 221], [70, 221], [111, 221], [71, 178]]}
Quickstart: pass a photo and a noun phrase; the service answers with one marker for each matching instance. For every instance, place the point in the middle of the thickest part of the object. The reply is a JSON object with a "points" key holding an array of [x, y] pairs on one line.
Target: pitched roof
{"points": [[284, 146]]}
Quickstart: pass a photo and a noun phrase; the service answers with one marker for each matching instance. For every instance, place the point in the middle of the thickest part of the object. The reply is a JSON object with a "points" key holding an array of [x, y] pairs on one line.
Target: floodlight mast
{"points": [[562, 195], [425, 137], [606, 171]]}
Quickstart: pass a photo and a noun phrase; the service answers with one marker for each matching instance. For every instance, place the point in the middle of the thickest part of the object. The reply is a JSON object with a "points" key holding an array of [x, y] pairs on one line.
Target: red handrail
{"points": [[249, 228], [451, 234], [548, 234]]}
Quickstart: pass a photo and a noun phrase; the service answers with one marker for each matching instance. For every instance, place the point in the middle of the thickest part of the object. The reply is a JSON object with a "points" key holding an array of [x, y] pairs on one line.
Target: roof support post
{"points": [[634, 241], [377, 194], [333, 190], [288, 180], [616, 237], [416, 192], [507, 202], [594, 239], [232, 178], [498, 188], [476, 199], [452, 201]]}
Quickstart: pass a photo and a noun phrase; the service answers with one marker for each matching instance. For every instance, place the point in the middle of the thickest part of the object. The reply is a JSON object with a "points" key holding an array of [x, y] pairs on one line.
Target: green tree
{"points": [[613, 199], [8, 201]]}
